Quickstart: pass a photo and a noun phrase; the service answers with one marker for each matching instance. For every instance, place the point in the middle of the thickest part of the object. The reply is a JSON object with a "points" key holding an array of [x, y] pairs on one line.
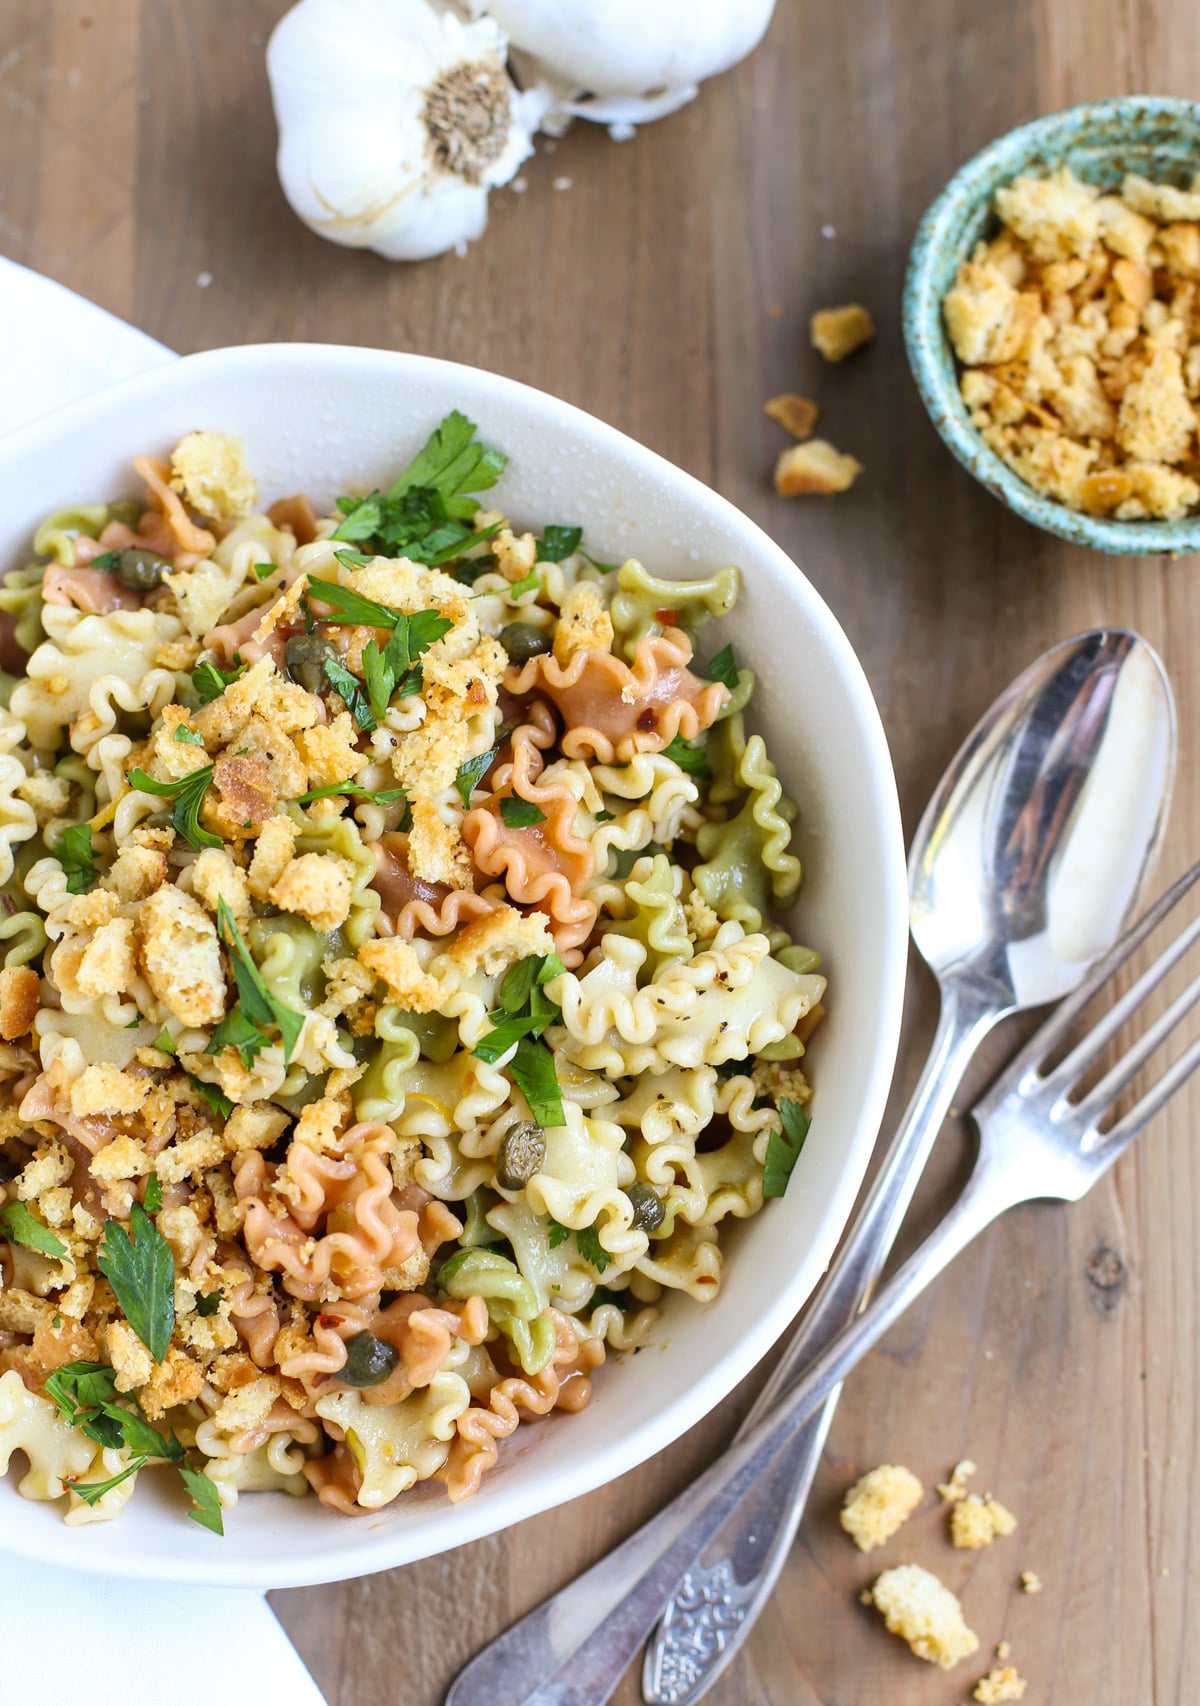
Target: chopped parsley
{"points": [[394, 667], [152, 1195], [20, 1225], [106, 560], [693, 760], [262, 570], [724, 669], [587, 1242], [783, 1149], [210, 681], [425, 515], [558, 543], [471, 772], [621, 1300], [217, 1100], [525, 584], [524, 1012], [187, 736], [257, 1008], [351, 690], [74, 850], [533, 1072], [139, 1266], [188, 794], [164, 1042], [208, 1302], [520, 814], [380, 797]]}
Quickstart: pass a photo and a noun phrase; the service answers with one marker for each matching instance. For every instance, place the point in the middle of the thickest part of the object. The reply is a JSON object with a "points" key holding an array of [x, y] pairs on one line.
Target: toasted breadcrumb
{"points": [[1031, 1582], [181, 956], [1000, 1684], [837, 332], [397, 964], [20, 989], [584, 623], [814, 468], [272, 854], [210, 471], [330, 752], [499, 939], [318, 886], [917, 1607], [1077, 332], [879, 1503], [976, 1522], [797, 415], [956, 1487], [215, 877]]}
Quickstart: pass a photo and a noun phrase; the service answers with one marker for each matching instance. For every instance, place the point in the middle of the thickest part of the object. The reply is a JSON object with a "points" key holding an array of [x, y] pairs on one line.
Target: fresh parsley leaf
{"points": [[587, 1241], [20, 1225], [91, 1492], [783, 1149], [350, 608], [236, 1031], [351, 690], [456, 547], [350, 559], [164, 1042], [210, 681], [361, 518], [380, 797], [188, 794], [723, 669], [152, 1195], [556, 1234], [189, 737], [452, 461], [257, 1003], [83, 1391], [262, 570], [506, 1033], [74, 850], [558, 543], [520, 814], [604, 817], [208, 1302], [526, 583], [532, 1068], [691, 759], [139, 1266], [605, 568], [472, 772], [105, 561], [217, 1100], [207, 1511], [378, 678], [621, 1300], [524, 1010]]}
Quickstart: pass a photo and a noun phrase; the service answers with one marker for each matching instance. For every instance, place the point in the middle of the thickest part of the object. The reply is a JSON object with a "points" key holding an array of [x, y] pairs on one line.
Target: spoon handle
{"points": [[536, 1647], [721, 1594]]}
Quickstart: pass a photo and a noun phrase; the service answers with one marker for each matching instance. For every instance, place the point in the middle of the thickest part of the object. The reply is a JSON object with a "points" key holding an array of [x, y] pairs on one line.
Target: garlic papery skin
{"points": [[395, 119], [626, 60]]}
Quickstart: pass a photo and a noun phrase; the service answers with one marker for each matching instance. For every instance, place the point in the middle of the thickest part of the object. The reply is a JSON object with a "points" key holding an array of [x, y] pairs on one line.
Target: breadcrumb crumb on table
{"points": [[879, 1503], [815, 468], [956, 1487], [838, 332], [797, 415], [922, 1611], [976, 1522], [1000, 1684], [1031, 1582]]}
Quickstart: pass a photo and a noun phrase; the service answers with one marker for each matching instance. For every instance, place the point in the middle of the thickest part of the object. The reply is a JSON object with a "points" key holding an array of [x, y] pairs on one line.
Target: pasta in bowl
{"points": [[397, 1004]]}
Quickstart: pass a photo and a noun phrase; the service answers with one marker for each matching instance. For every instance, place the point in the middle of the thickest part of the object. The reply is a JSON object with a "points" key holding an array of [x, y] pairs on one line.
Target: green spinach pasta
{"points": [[392, 1007]]}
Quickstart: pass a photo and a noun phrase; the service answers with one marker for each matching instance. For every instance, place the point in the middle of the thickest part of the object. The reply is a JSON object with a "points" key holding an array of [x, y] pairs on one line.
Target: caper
{"points": [[520, 1155], [522, 641], [305, 655], [369, 1361], [648, 1210], [139, 570]]}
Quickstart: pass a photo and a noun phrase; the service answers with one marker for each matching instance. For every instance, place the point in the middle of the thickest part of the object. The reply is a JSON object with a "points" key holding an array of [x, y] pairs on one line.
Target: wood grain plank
{"points": [[668, 289]]}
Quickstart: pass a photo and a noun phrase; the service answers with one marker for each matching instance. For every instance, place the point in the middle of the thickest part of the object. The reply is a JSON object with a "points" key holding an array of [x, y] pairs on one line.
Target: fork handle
{"points": [[558, 1655], [720, 1596]]}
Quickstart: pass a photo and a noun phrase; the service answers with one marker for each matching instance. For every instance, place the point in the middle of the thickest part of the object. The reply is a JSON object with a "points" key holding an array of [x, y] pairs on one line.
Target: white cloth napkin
{"points": [[68, 1636]]}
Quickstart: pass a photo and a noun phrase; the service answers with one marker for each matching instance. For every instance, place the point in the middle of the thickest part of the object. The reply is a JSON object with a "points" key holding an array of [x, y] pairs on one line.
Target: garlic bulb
{"points": [[395, 119], [626, 60]]}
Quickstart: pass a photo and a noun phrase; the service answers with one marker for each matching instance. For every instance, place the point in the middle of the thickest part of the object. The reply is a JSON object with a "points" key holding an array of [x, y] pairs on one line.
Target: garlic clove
{"points": [[627, 48], [395, 118]]}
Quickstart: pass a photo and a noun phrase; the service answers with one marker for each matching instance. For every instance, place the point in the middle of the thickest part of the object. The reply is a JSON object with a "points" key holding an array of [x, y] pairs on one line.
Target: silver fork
{"points": [[1034, 1142]]}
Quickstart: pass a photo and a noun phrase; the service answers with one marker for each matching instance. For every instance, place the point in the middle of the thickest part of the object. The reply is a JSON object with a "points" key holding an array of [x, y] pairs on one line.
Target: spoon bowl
{"points": [[1030, 855]]}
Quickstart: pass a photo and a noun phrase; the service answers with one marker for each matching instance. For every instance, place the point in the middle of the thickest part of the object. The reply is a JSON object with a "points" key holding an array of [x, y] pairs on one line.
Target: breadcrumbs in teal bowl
{"points": [[1082, 327]]}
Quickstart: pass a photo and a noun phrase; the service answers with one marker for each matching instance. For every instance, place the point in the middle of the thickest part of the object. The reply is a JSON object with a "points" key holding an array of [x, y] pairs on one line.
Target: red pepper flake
{"points": [[668, 618]]}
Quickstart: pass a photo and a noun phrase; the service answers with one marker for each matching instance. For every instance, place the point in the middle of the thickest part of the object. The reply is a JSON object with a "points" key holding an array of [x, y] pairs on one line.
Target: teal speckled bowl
{"points": [[1148, 134]]}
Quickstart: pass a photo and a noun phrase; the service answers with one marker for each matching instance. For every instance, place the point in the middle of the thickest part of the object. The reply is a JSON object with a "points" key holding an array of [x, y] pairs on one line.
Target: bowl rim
{"points": [[924, 334], [54, 1543]]}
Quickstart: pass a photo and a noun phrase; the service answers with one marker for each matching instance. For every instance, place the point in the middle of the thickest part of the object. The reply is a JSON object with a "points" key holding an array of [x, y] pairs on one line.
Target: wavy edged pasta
{"points": [[387, 946]]}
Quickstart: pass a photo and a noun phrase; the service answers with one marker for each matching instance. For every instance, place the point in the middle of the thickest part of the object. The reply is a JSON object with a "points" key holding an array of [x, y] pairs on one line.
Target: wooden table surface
{"points": [[666, 285]]}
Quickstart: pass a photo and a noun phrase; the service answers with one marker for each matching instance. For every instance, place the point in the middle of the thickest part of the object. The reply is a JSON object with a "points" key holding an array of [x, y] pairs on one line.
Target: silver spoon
{"points": [[1024, 866]]}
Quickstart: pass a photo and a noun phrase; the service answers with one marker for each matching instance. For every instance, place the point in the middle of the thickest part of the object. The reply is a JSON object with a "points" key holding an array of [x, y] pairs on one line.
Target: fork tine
{"points": [[1101, 1096], [1088, 1049], [1140, 1115], [1058, 1026]]}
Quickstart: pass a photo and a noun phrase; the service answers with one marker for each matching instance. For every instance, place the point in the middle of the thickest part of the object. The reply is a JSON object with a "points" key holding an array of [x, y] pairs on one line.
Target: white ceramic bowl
{"points": [[324, 419]]}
